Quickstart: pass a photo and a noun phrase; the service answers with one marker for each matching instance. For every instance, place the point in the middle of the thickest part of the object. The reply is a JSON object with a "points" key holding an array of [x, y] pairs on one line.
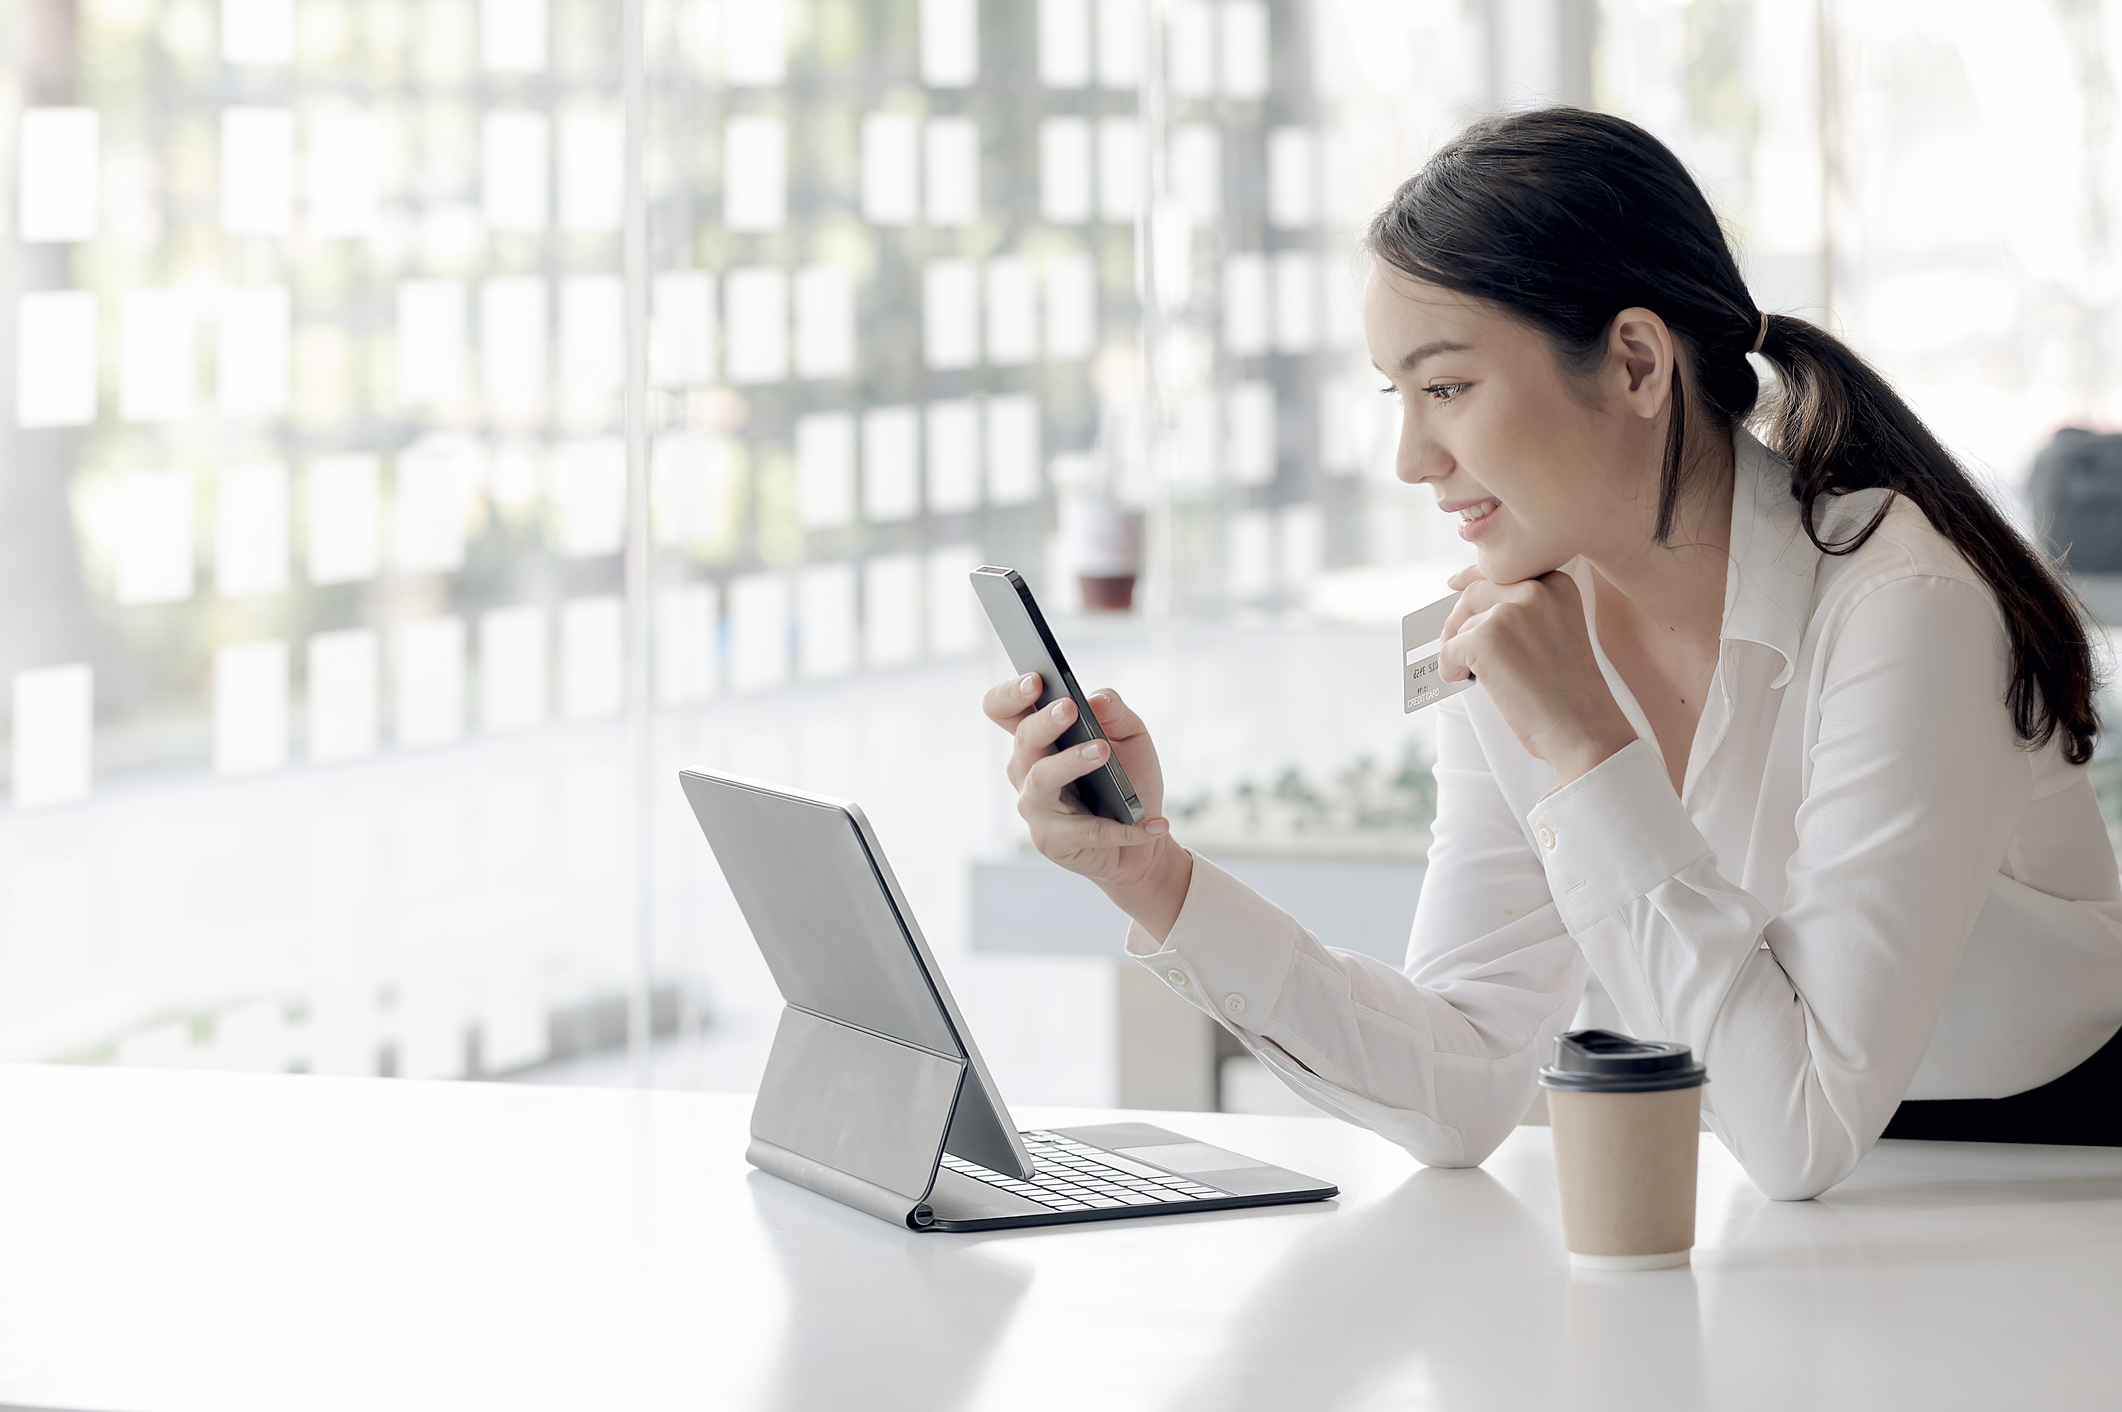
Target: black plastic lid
{"points": [[1601, 1061]]}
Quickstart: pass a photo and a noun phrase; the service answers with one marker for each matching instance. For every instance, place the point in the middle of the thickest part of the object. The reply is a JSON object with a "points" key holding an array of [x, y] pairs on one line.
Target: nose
{"points": [[1418, 458]]}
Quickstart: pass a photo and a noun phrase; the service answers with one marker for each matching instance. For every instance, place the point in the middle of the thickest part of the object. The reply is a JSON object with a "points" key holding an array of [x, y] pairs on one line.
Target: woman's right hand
{"points": [[1140, 866]]}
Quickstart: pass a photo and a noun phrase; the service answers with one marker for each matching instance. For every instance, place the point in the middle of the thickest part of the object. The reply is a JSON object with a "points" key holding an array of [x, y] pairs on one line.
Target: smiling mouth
{"points": [[1480, 510]]}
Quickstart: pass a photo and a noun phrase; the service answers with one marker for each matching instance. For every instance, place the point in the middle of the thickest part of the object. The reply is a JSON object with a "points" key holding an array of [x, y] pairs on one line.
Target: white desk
{"points": [[223, 1243]]}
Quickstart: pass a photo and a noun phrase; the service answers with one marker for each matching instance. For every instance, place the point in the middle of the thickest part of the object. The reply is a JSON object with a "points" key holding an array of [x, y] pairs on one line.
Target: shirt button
{"points": [[1176, 977], [1234, 1004], [1547, 837], [1731, 653]]}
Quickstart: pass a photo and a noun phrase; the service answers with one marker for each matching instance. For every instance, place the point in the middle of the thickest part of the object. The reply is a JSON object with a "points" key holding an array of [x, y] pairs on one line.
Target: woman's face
{"points": [[1539, 467]]}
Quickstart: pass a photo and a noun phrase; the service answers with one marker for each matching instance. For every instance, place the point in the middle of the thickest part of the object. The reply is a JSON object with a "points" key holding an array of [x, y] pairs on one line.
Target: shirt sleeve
{"points": [[1812, 1010], [1442, 1057]]}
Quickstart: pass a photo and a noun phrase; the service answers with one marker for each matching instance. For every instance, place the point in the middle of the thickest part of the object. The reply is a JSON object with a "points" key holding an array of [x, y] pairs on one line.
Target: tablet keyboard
{"points": [[1074, 1176]]}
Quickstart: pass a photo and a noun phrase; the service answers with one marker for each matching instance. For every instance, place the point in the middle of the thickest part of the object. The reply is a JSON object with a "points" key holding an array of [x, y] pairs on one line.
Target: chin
{"points": [[1500, 566], [1512, 568]]}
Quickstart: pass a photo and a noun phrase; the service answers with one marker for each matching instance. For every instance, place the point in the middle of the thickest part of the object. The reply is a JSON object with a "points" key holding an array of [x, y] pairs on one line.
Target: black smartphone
{"points": [[1010, 606]]}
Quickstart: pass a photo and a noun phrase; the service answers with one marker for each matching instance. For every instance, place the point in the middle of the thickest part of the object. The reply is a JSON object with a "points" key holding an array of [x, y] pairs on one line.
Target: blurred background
{"points": [[437, 422]]}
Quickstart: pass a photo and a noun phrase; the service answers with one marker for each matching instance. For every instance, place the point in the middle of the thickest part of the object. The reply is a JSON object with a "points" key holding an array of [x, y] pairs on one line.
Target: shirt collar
{"points": [[1768, 586]]}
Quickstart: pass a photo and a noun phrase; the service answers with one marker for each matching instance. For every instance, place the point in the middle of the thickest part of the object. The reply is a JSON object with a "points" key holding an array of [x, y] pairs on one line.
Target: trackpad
{"points": [[1192, 1158]]}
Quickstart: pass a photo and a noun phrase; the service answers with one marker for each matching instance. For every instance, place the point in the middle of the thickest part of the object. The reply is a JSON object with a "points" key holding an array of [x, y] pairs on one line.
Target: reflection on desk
{"points": [[224, 1242]]}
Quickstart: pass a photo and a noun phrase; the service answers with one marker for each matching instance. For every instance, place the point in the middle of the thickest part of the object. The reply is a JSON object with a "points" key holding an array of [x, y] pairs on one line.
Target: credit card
{"points": [[1422, 683]]}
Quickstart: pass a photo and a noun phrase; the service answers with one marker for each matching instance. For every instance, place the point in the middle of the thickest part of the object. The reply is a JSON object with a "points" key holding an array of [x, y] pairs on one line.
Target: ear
{"points": [[1640, 361]]}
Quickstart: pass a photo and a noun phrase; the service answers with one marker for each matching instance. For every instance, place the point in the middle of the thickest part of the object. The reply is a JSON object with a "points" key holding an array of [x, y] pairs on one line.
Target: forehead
{"points": [[1405, 308]]}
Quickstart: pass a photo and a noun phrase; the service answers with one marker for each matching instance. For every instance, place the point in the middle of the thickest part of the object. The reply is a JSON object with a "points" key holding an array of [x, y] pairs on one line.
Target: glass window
{"points": [[321, 643]]}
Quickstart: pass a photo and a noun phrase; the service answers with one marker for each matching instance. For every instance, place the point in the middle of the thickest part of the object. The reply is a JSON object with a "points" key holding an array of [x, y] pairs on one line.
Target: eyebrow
{"points": [[1429, 350]]}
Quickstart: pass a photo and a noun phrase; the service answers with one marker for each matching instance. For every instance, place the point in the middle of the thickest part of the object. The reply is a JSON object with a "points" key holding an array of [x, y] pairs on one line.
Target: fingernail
{"points": [[1060, 709], [1157, 828], [1090, 751], [1028, 683]]}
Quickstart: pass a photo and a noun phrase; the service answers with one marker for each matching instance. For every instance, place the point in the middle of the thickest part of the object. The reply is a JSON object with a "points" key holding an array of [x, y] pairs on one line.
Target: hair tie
{"points": [[1760, 335]]}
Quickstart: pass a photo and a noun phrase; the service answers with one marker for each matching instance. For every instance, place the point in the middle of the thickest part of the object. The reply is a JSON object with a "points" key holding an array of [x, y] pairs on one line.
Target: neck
{"points": [[1678, 586]]}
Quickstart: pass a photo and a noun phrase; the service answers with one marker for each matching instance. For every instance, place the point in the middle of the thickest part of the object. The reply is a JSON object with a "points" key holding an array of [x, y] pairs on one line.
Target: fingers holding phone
{"points": [[1038, 737], [1045, 771], [1033, 652], [1062, 828], [1132, 747], [1086, 773], [1036, 730], [1008, 703], [1140, 866]]}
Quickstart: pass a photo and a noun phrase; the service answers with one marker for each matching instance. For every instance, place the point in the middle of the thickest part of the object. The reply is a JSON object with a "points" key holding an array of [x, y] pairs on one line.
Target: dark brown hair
{"points": [[1564, 218]]}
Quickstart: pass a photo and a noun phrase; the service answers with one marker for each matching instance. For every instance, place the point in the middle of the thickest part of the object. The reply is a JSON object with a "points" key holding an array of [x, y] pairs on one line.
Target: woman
{"points": [[1785, 742]]}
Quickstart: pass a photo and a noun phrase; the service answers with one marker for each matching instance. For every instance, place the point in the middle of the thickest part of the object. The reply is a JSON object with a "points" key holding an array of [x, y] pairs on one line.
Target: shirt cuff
{"points": [[1612, 834], [1228, 953]]}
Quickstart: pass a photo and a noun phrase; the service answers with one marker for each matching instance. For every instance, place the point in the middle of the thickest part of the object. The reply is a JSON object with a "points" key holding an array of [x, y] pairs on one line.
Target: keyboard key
{"points": [[1073, 1177]]}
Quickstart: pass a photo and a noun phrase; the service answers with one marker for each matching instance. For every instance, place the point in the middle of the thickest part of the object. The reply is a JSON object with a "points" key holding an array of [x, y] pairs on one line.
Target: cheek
{"points": [[1537, 453], [1510, 450]]}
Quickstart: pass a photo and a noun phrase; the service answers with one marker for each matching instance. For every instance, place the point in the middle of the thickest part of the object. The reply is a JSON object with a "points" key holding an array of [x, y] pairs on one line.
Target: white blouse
{"points": [[1868, 889]]}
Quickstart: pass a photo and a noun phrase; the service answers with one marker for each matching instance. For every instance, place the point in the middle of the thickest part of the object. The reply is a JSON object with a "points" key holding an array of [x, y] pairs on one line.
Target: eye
{"points": [[1388, 391], [1446, 391]]}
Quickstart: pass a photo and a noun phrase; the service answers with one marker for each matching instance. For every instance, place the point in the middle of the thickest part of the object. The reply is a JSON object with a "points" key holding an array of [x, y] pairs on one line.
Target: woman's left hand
{"points": [[1527, 644]]}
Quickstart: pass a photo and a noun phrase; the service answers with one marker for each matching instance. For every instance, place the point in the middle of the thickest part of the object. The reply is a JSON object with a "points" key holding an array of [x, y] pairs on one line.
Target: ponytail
{"points": [[1564, 218], [1843, 429]]}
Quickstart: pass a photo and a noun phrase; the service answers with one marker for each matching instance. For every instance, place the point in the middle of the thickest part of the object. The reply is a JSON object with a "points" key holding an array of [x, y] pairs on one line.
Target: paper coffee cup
{"points": [[1626, 1115]]}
